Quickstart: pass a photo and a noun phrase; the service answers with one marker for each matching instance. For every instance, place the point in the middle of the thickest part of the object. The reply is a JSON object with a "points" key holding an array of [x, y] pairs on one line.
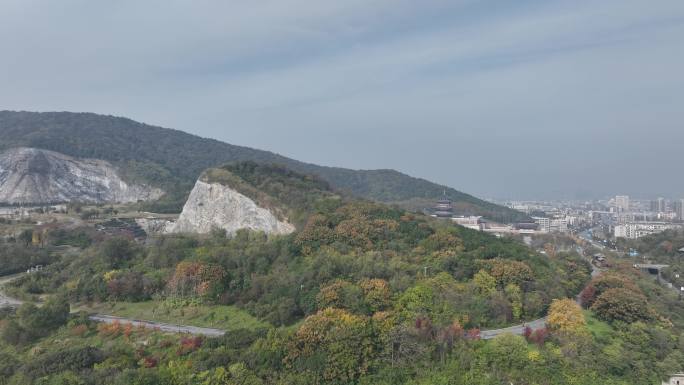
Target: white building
{"points": [[635, 230], [678, 206], [675, 379], [544, 224], [623, 231], [471, 222], [558, 225], [622, 203]]}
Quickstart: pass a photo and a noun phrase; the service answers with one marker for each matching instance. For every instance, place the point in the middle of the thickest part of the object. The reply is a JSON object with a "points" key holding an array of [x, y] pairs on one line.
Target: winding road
{"points": [[534, 325], [170, 328], [6, 301], [517, 329]]}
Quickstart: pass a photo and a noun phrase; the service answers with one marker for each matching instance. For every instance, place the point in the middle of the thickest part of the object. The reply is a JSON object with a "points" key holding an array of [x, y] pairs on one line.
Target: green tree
{"points": [[622, 304], [514, 296], [505, 358], [116, 251], [26, 237], [485, 283]]}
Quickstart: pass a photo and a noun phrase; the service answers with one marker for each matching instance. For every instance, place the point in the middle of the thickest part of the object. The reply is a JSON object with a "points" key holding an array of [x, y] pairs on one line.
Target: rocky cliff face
{"points": [[213, 205], [29, 175]]}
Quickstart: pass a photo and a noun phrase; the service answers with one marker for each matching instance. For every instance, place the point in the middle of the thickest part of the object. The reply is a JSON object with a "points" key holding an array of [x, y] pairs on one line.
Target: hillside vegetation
{"points": [[173, 159], [361, 293], [286, 193]]}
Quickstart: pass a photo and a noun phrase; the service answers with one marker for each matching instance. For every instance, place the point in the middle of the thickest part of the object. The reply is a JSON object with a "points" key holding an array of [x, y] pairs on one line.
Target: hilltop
{"points": [[172, 160], [249, 195]]}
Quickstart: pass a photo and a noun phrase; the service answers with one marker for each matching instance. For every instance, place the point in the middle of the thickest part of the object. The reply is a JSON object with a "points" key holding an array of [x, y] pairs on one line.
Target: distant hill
{"points": [[173, 160]]}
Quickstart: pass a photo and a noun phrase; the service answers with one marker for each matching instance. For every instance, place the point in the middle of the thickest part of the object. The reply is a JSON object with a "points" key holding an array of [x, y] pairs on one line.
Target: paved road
{"points": [[517, 329], [536, 324], [6, 301], [484, 334], [171, 328]]}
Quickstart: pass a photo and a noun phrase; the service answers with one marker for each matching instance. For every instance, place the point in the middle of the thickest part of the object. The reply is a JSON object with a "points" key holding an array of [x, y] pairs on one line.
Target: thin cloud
{"points": [[510, 99]]}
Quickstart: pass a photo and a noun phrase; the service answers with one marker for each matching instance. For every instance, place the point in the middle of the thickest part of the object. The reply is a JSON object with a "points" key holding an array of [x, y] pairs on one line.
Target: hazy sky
{"points": [[508, 99]]}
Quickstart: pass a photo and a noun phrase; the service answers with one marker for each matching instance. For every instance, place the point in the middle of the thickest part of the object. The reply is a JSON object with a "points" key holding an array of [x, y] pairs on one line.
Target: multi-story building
{"points": [[543, 223], [559, 225], [658, 205], [622, 203], [624, 218], [635, 230], [471, 222], [679, 209], [621, 231]]}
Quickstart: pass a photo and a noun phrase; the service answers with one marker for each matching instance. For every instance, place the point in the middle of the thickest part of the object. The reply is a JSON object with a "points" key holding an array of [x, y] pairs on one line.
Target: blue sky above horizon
{"points": [[505, 99]]}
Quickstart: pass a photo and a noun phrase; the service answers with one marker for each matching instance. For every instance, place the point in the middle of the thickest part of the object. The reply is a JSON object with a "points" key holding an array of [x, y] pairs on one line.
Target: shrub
{"points": [[72, 359]]}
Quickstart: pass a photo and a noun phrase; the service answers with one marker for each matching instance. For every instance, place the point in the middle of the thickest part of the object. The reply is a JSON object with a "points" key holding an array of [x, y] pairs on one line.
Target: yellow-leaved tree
{"points": [[565, 315]]}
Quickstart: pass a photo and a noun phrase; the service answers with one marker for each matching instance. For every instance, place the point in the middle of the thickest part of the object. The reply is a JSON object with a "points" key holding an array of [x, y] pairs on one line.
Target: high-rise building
{"points": [[679, 209], [659, 205], [622, 203]]}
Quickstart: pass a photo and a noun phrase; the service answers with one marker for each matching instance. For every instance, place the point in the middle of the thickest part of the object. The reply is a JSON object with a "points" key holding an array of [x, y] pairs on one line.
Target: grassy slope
{"points": [[168, 157], [599, 329]]}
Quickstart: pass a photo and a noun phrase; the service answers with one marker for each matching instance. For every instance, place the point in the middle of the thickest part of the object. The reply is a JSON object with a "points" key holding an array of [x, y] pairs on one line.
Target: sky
{"points": [[502, 99]]}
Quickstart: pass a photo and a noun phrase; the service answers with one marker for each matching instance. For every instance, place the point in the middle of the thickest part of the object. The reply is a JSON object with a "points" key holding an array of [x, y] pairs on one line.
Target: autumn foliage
{"points": [[189, 344], [332, 345], [604, 282], [197, 279], [566, 316], [507, 271], [376, 293]]}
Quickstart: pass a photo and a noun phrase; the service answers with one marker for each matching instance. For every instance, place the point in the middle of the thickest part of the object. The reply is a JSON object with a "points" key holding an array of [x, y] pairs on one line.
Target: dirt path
{"points": [[6, 301]]}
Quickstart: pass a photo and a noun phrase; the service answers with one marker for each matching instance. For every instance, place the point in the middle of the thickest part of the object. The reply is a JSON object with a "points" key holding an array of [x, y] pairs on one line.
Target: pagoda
{"points": [[443, 208]]}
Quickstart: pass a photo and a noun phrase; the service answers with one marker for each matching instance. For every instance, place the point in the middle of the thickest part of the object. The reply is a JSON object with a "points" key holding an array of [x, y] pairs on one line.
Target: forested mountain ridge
{"points": [[166, 157]]}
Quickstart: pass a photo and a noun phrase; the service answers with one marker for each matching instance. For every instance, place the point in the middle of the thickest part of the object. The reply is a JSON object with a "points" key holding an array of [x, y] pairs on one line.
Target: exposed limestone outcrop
{"points": [[214, 205], [35, 176], [154, 225]]}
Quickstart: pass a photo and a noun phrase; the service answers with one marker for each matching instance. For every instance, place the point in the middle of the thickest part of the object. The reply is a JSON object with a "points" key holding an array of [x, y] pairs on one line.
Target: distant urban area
{"points": [[601, 220]]}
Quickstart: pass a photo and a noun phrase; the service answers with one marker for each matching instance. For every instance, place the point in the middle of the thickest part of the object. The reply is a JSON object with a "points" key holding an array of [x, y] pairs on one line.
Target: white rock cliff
{"points": [[213, 205], [34, 176]]}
